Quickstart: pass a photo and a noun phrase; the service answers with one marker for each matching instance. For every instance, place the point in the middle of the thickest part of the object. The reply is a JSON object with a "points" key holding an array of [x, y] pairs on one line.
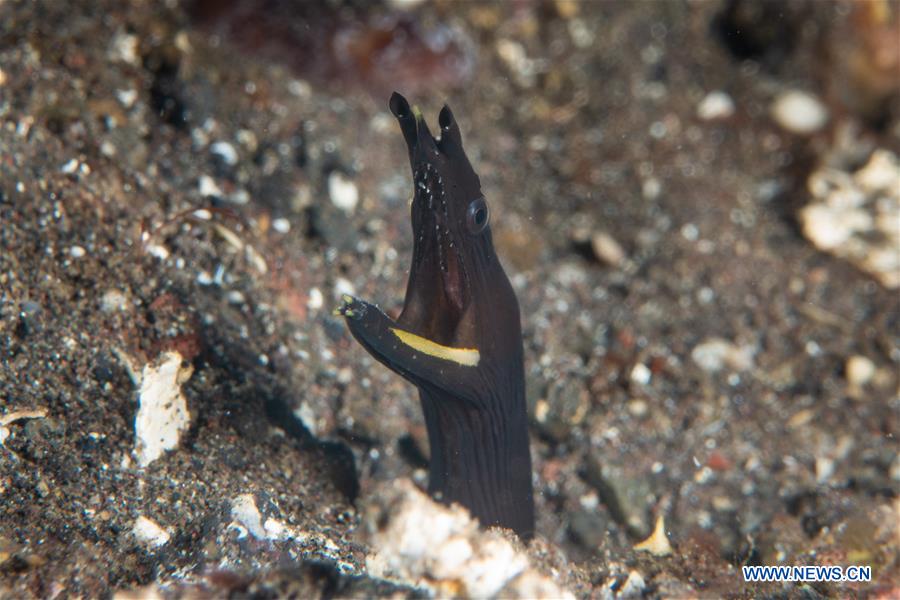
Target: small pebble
{"points": [[404, 4], [640, 374], [208, 187], [344, 376], [633, 587], [714, 354], [343, 287], [824, 469], [70, 167], [589, 501], [157, 250], [281, 225], [799, 112], [716, 105], [723, 503], [126, 48], [651, 188], [113, 301], [637, 407], [316, 299], [512, 53], [306, 415], [859, 370], [705, 295], [343, 192], [566, 8], [894, 470], [582, 34], [299, 88], [226, 152], [607, 249], [149, 533], [77, 252], [127, 97], [235, 297], [239, 196], [690, 232]]}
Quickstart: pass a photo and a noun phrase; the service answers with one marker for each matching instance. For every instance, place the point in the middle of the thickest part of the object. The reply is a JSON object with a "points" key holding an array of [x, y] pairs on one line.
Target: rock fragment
{"points": [[441, 549], [856, 215]]}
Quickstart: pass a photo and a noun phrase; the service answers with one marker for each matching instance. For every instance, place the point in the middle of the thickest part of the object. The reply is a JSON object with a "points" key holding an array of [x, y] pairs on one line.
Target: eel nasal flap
{"points": [[417, 135]]}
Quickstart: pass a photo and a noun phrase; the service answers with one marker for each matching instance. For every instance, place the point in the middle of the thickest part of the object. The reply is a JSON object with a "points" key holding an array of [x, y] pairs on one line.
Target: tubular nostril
{"points": [[451, 140], [399, 106], [445, 118]]}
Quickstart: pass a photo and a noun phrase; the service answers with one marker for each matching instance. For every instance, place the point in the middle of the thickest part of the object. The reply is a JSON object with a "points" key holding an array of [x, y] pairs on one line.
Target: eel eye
{"points": [[477, 216]]}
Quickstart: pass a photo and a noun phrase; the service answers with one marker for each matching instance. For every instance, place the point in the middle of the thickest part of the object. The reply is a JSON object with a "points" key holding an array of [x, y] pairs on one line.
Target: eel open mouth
{"points": [[438, 244]]}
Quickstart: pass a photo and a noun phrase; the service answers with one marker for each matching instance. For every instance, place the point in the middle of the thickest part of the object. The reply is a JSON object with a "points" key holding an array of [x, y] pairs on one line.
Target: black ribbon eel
{"points": [[458, 338]]}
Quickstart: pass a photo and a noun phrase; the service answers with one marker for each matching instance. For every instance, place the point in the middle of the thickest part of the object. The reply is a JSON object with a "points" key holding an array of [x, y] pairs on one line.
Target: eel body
{"points": [[458, 338]]}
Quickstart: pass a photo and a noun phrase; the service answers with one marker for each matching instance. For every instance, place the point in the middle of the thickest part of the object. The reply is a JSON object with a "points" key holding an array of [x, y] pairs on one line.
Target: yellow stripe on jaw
{"points": [[468, 357]]}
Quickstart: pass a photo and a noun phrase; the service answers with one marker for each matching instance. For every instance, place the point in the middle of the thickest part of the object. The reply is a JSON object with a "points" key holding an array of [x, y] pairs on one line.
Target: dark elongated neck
{"points": [[480, 457]]}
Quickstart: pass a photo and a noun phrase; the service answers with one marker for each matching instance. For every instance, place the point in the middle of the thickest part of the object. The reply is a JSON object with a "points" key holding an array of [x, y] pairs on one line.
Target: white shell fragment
{"points": [[715, 354], [248, 520], [658, 543], [162, 414], [245, 512], [149, 533]]}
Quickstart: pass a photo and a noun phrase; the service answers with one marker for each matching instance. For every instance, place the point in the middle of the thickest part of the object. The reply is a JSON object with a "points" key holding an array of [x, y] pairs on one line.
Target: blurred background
{"points": [[698, 204]]}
